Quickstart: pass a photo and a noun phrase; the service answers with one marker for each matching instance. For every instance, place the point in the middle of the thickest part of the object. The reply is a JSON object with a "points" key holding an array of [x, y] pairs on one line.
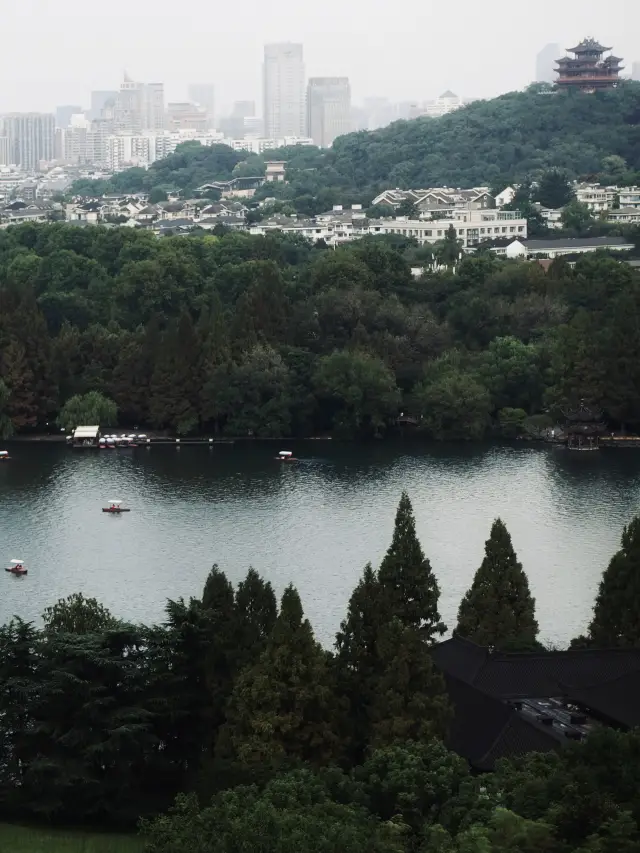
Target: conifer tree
{"points": [[409, 589], [498, 610], [357, 658], [283, 708], [411, 701], [218, 622], [615, 618], [22, 407], [256, 610]]}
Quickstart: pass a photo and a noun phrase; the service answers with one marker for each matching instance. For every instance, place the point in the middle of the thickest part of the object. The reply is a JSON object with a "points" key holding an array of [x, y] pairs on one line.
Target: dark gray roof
{"points": [[577, 243]]}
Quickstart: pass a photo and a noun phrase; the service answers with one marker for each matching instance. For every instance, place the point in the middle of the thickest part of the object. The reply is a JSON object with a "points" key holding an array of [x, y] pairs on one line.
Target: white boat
{"points": [[16, 567], [4, 454], [286, 456]]}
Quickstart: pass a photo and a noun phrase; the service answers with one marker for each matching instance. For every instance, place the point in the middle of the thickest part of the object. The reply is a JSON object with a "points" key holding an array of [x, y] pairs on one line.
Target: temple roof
{"points": [[588, 46]]}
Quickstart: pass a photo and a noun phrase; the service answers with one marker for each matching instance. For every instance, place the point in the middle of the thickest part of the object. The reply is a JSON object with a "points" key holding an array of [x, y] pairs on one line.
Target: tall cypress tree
{"points": [[615, 617], [409, 589], [411, 701], [357, 659], [283, 708], [498, 610]]}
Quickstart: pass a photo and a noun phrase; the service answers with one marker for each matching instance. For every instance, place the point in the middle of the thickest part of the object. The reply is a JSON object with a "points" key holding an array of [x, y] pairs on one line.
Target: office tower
{"points": [[635, 71], [380, 112], [4, 151], [186, 116], [99, 99], [97, 137], [64, 113], [203, 94], [154, 118], [328, 109], [243, 109], [129, 109], [546, 63], [31, 138], [284, 91]]}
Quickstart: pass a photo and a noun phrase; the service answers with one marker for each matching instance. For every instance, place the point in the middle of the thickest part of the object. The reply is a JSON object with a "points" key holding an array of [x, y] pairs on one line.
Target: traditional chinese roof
{"points": [[588, 46]]}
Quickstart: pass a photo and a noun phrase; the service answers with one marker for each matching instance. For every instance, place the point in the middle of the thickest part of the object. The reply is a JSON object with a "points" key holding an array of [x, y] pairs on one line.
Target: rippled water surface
{"points": [[315, 524]]}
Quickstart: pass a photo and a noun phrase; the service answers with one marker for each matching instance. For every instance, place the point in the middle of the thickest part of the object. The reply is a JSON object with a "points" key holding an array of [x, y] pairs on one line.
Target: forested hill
{"points": [[488, 142]]}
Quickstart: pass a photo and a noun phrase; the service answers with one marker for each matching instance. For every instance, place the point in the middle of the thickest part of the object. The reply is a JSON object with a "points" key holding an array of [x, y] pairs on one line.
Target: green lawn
{"points": [[22, 839]]}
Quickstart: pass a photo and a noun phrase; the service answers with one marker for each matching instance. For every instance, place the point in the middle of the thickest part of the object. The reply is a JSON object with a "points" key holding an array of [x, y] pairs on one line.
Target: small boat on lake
{"points": [[16, 567], [286, 456], [115, 507], [4, 455]]}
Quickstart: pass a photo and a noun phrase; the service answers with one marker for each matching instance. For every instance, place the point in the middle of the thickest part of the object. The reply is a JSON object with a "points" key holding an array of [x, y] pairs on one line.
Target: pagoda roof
{"points": [[588, 46]]}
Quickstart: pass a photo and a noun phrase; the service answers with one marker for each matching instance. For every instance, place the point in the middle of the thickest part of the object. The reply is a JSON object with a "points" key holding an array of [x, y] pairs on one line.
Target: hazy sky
{"points": [[56, 51]]}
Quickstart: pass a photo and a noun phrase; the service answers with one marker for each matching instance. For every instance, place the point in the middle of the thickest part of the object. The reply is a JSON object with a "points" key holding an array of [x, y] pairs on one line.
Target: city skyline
{"points": [[382, 54]]}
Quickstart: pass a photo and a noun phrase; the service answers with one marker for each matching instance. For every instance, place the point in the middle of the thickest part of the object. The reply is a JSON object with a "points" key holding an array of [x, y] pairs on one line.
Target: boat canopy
{"points": [[4, 452], [16, 562], [87, 432], [115, 503], [285, 453]]}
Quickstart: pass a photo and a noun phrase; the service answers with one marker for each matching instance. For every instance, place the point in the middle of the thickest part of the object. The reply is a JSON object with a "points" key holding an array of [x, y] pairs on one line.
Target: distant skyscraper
{"points": [[204, 95], [328, 109], [283, 91], [31, 138], [546, 63], [153, 106], [243, 109], [130, 107], [99, 100], [64, 113], [635, 71]]}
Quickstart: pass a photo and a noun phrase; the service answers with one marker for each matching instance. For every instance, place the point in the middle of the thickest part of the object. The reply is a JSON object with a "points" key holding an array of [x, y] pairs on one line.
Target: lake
{"points": [[315, 524]]}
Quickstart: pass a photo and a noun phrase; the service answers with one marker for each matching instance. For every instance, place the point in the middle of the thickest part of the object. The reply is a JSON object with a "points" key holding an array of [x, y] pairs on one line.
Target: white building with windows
{"points": [[284, 91]]}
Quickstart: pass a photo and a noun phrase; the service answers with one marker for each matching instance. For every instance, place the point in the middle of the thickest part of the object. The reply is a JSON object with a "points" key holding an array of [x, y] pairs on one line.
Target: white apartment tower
{"points": [[30, 138], [130, 107], [284, 91], [154, 112], [328, 109]]}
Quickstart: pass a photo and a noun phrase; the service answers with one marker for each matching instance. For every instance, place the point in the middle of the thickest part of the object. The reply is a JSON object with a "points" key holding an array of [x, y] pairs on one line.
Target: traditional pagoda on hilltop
{"points": [[587, 71]]}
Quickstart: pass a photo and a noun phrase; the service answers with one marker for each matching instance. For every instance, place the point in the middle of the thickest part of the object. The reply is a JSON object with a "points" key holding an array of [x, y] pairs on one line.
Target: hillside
{"points": [[488, 142]]}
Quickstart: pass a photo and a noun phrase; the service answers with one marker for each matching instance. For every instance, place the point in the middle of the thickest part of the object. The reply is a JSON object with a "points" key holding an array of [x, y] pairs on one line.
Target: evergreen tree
{"points": [[22, 406], [615, 617], [283, 708], [174, 384], [6, 425], [411, 702], [409, 589], [256, 611], [357, 658], [499, 610]]}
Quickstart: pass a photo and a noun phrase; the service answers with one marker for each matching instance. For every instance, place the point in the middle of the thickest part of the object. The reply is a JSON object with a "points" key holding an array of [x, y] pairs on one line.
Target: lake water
{"points": [[315, 524]]}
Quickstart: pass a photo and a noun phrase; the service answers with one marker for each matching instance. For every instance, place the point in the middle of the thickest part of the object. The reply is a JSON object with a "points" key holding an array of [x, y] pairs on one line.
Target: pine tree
{"points": [[283, 708], [219, 620], [615, 618], [22, 407], [409, 589], [411, 701], [499, 610]]}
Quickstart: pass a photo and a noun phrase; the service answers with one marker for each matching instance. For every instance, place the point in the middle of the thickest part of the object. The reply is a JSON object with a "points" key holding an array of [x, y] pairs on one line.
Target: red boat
{"points": [[115, 507], [16, 567]]}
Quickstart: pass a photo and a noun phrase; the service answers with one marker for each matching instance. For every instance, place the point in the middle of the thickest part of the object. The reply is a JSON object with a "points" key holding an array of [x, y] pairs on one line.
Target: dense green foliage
{"points": [[22, 839], [270, 742], [271, 336], [516, 136], [499, 610]]}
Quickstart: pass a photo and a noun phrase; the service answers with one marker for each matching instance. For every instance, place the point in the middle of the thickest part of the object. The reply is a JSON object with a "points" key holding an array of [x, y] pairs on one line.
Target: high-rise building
{"points": [[99, 100], [186, 116], [129, 110], [328, 109], [64, 113], [243, 109], [31, 138], [203, 94], [154, 118], [4, 151], [284, 91], [546, 63], [635, 71]]}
